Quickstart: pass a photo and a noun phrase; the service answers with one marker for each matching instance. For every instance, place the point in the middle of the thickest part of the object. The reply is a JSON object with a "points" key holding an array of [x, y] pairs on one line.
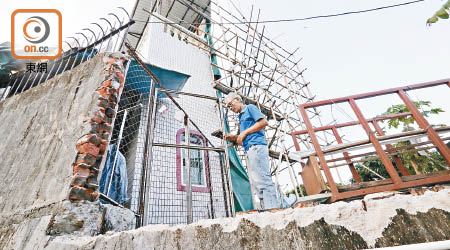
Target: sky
{"points": [[344, 55], [76, 15], [363, 52]]}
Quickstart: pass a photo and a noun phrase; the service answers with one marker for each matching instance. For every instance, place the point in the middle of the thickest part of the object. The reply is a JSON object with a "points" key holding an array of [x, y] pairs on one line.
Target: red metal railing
{"points": [[397, 182]]}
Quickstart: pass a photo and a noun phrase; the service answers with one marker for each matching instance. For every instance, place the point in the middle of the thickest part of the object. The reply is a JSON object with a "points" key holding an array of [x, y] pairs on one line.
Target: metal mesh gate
{"points": [[155, 161]]}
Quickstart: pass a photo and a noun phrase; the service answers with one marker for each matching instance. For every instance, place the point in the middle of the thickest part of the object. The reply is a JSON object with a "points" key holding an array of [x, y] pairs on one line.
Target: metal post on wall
{"points": [[224, 188], [376, 144], [223, 169], [6, 93], [119, 139], [398, 162], [187, 139], [318, 149], [146, 168], [227, 160]]}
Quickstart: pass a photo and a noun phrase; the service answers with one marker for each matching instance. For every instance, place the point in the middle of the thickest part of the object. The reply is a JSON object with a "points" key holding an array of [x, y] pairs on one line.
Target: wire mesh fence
{"points": [[169, 164], [149, 132], [104, 36], [149, 180], [121, 181]]}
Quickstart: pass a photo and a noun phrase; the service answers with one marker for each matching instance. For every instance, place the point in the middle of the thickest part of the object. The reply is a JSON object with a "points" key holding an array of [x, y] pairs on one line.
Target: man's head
{"points": [[234, 102]]}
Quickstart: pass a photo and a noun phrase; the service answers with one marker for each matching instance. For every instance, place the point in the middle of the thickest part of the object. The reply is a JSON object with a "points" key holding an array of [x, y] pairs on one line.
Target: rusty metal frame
{"points": [[338, 138], [392, 152], [398, 183], [346, 156], [346, 124], [397, 161]]}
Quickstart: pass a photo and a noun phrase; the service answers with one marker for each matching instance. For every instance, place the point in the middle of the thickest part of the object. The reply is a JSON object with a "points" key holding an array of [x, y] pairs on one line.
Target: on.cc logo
{"points": [[36, 34], [39, 26]]}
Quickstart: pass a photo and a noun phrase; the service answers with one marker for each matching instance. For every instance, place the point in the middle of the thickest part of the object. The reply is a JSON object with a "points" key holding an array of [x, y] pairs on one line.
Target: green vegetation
{"points": [[302, 188], [406, 122], [441, 13], [416, 162]]}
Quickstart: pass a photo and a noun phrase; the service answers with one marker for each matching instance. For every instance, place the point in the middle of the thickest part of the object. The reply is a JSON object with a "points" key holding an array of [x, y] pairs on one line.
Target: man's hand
{"points": [[240, 139], [231, 137]]}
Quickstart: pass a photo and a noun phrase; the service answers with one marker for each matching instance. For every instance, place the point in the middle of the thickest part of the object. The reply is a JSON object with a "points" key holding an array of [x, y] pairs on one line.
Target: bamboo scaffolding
{"points": [[258, 69]]}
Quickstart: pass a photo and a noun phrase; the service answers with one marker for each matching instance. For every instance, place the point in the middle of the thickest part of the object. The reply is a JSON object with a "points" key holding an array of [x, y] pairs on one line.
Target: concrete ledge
{"points": [[385, 219], [34, 229]]}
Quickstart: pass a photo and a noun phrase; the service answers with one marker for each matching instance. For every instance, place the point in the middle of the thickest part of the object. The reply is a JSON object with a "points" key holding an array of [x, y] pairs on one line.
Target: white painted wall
{"points": [[166, 204]]}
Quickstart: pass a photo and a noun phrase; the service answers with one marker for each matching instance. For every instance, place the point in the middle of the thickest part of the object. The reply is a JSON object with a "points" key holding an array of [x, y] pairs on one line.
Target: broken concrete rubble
{"points": [[117, 219], [88, 218], [79, 218]]}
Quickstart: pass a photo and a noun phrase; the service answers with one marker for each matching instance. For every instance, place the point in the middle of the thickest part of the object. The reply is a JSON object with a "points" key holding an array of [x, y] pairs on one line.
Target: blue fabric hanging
{"points": [[118, 190], [138, 80]]}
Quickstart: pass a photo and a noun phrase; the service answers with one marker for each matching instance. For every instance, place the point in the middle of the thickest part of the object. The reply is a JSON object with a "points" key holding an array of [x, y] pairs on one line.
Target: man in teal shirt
{"points": [[251, 137]]}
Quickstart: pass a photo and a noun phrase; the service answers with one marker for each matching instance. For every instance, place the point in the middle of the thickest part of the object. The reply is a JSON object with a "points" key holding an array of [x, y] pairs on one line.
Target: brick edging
{"points": [[91, 148]]}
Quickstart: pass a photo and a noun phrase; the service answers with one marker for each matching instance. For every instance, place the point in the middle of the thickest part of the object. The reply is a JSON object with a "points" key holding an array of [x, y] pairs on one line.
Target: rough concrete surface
{"points": [[76, 218], [35, 229], [394, 220], [117, 219], [39, 129]]}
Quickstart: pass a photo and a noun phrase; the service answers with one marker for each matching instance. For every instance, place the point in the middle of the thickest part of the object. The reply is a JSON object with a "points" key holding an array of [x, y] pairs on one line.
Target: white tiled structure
{"points": [[166, 203]]}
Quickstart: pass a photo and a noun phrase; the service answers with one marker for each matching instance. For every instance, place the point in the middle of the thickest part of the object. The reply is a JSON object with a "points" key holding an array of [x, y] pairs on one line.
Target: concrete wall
{"points": [[39, 130], [386, 219]]}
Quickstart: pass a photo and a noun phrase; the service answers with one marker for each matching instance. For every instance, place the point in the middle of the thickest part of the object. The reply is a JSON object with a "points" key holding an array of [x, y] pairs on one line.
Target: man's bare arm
{"points": [[255, 128]]}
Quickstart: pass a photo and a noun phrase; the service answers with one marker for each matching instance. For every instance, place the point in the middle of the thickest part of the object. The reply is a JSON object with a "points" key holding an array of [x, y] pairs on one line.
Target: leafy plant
{"points": [[406, 121], [423, 162], [375, 165], [441, 13], [426, 162], [300, 190]]}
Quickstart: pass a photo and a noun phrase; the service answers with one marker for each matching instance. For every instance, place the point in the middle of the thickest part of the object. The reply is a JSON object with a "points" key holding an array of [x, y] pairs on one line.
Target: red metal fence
{"points": [[396, 181]]}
